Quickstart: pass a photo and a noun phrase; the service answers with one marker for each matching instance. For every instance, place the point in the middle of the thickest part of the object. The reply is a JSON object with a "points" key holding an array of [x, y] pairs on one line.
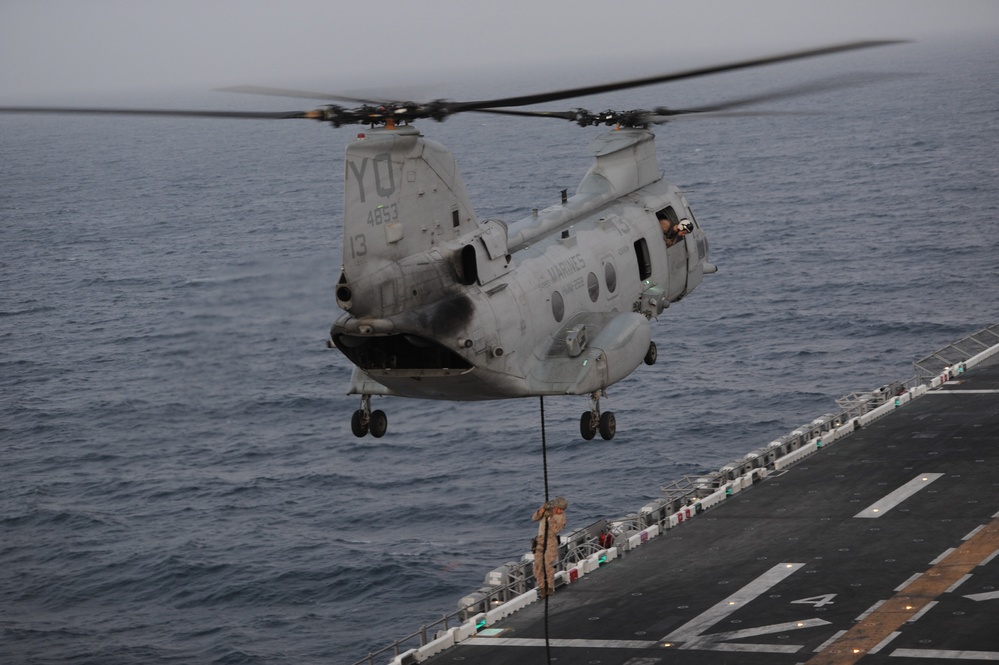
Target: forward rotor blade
{"points": [[560, 115], [301, 94], [252, 115], [543, 97], [656, 119]]}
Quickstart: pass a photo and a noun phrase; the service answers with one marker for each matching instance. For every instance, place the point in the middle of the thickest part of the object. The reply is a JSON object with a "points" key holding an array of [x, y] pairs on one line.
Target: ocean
{"points": [[179, 481]]}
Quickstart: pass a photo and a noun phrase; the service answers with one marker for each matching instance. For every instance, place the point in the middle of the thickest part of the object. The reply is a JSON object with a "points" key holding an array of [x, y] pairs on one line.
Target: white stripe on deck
{"points": [[540, 642], [944, 654], [693, 628], [958, 392], [889, 501]]}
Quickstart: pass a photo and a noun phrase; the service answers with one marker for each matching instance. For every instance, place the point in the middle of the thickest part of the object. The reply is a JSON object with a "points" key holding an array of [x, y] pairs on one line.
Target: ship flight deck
{"points": [[880, 547]]}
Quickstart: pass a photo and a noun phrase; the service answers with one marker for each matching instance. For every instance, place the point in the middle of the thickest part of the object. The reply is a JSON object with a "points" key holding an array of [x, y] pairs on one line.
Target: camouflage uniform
{"points": [[545, 554]]}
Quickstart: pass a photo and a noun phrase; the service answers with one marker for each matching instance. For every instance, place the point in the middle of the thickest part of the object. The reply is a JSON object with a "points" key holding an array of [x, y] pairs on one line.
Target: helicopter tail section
{"points": [[403, 195]]}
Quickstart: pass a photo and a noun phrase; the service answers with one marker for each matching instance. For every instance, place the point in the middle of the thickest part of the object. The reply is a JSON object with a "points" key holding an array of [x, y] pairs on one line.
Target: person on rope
{"points": [[551, 518]]}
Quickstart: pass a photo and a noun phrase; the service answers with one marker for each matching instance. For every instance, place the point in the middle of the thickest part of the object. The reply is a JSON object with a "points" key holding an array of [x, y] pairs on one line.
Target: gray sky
{"points": [[51, 48]]}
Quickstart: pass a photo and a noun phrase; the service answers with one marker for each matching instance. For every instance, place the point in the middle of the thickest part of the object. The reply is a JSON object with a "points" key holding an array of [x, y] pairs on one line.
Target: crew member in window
{"points": [[669, 229]]}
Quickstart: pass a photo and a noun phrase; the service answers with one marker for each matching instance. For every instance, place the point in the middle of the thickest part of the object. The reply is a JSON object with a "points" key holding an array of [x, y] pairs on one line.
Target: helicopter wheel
{"points": [[378, 423], [357, 424], [651, 354], [608, 425], [587, 427]]}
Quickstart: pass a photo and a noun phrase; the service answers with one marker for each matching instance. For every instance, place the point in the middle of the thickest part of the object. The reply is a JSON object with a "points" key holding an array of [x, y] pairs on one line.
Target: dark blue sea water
{"points": [[179, 483]]}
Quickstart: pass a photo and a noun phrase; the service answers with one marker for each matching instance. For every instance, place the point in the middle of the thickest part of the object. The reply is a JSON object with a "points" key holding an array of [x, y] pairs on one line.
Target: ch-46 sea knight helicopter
{"points": [[439, 304]]}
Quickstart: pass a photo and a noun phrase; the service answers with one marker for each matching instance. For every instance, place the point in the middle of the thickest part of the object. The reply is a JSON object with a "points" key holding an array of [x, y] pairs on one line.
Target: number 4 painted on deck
{"points": [[817, 601]]}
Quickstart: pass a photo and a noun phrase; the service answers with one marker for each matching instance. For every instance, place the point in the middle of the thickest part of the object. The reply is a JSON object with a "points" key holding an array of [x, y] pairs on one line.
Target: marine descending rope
{"points": [[546, 581]]}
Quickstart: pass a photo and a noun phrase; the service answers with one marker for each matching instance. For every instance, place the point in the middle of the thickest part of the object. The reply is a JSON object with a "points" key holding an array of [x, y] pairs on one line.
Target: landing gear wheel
{"points": [[651, 354], [608, 425], [378, 424], [357, 424], [587, 428]]}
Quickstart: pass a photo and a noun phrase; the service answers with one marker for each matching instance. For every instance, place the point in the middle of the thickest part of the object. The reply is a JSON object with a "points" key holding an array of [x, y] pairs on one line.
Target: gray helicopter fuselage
{"points": [[440, 305]]}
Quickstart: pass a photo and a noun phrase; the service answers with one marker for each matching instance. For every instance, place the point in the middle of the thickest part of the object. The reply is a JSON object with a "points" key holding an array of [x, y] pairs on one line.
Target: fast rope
{"points": [[544, 461]]}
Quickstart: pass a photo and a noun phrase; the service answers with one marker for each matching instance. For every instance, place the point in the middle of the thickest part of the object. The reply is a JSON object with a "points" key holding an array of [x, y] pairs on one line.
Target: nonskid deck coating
{"points": [[800, 569]]}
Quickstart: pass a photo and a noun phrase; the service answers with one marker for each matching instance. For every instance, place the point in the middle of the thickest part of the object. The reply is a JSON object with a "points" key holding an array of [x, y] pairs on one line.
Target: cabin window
{"points": [[644, 261], [610, 277], [593, 286], [558, 306], [455, 220]]}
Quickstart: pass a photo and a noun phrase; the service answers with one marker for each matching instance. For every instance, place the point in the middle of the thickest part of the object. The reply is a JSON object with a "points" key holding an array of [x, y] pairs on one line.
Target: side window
{"points": [[610, 276], [644, 261], [668, 214], [670, 225]]}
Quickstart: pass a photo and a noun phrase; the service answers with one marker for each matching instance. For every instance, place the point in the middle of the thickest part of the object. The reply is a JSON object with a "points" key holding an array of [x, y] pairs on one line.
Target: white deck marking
{"points": [[836, 636], [988, 595], [974, 531], [870, 610], [540, 642], [692, 636], [714, 641], [918, 615], [883, 643], [943, 654], [953, 587], [737, 600], [912, 578], [989, 558], [889, 501], [958, 391], [943, 555]]}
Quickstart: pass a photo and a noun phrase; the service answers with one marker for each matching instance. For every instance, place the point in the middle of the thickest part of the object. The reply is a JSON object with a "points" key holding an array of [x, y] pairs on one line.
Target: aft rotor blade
{"points": [[543, 97], [253, 115], [811, 88]]}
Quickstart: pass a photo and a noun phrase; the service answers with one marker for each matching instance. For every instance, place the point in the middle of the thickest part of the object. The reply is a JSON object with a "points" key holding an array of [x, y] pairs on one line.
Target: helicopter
{"points": [[439, 304]]}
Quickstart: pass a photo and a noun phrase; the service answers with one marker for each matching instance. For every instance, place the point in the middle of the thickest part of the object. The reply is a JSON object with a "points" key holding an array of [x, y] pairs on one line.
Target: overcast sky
{"points": [[50, 47]]}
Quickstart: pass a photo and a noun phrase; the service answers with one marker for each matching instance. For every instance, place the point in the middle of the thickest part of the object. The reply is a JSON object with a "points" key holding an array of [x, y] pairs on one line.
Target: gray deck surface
{"points": [[788, 572]]}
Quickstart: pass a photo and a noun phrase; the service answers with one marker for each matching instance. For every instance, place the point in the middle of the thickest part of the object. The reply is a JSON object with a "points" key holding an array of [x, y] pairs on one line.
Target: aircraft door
{"points": [[695, 269], [676, 253]]}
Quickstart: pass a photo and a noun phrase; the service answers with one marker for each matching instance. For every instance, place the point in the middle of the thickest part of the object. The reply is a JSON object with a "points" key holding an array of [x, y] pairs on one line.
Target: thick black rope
{"points": [[544, 545]]}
